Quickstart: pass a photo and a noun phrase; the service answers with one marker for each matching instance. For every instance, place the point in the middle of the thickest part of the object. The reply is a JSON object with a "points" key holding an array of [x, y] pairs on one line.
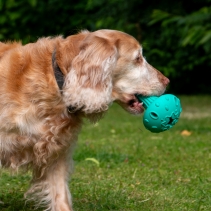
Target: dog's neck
{"points": [[59, 76]]}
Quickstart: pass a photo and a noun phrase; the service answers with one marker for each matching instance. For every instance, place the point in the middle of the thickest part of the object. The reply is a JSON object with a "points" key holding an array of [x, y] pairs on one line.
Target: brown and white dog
{"points": [[48, 87]]}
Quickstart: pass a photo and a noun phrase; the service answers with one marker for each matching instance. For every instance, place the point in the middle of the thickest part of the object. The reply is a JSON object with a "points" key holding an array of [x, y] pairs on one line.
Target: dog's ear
{"points": [[88, 84]]}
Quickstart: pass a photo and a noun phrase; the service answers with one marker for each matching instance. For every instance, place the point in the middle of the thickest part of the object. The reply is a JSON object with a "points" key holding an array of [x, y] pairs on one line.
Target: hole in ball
{"points": [[170, 120], [154, 115]]}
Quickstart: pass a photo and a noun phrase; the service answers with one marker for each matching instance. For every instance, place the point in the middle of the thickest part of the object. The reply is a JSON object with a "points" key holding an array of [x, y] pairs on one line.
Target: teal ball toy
{"points": [[161, 113]]}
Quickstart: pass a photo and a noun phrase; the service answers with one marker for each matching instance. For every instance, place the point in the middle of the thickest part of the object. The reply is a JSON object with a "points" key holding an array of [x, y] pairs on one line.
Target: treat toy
{"points": [[161, 113]]}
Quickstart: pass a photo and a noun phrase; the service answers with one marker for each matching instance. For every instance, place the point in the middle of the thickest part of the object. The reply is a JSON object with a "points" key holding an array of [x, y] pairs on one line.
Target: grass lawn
{"points": [[121, 166]]}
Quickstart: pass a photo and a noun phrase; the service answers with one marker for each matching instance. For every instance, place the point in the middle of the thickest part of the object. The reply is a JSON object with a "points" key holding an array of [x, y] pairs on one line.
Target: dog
{"points": [[48, 87]]}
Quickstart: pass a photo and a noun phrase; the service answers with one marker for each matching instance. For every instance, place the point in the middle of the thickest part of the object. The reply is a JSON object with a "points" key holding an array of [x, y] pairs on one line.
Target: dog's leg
{"points": [[52, 188], [53, 164], [59, 177]]}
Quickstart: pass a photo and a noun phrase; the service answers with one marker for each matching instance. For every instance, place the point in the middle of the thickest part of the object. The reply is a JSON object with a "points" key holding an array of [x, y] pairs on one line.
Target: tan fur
{"points": [[35, 127]]}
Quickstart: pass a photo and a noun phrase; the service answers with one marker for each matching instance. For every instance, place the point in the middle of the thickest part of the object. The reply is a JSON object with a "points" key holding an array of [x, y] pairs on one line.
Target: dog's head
{"points": [[105, 66]]}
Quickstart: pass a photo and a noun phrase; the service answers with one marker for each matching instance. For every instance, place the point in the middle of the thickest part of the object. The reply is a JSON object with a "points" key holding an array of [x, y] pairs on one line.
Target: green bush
{"points": [[176, 37]]}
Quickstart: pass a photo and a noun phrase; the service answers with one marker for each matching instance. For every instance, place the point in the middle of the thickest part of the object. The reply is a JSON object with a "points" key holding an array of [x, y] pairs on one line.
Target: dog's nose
{"points": [[165, 81]]}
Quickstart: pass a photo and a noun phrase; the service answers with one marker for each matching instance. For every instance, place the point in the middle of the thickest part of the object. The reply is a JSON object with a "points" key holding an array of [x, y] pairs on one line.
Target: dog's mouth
{"points": [[135, 106]]}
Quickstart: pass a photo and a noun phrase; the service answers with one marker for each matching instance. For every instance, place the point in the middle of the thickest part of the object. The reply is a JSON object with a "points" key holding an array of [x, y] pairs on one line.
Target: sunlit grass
{"points": [[130, 168]]}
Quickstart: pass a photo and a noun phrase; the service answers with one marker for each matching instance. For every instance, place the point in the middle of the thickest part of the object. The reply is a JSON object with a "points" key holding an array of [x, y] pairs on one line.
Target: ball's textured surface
{"points": [[161, 113]]}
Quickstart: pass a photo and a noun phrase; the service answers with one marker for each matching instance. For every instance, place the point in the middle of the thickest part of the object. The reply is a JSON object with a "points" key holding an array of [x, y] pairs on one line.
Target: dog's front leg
{"points": [[51, 189], [58, 176], [53, 164]]}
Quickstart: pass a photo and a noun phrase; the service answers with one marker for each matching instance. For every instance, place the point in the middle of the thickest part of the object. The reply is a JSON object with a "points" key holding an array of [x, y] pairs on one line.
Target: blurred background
{"points": [[176, 35]]}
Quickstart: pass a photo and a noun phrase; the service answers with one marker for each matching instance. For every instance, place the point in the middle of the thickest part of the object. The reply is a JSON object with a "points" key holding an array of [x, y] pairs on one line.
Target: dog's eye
{"points": [[139, 58]]}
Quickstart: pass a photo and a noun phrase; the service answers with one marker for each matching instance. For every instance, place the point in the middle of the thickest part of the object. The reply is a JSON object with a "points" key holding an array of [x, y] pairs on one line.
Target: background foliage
{"points": [[176, 35]]}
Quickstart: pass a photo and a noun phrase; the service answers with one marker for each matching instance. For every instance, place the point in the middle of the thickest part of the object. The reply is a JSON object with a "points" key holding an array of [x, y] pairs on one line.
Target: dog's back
{"points": [[4, 47]]}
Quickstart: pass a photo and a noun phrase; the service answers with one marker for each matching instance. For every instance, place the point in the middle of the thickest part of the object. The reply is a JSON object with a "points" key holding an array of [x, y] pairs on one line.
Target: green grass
{"points": [[138, 170]]}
